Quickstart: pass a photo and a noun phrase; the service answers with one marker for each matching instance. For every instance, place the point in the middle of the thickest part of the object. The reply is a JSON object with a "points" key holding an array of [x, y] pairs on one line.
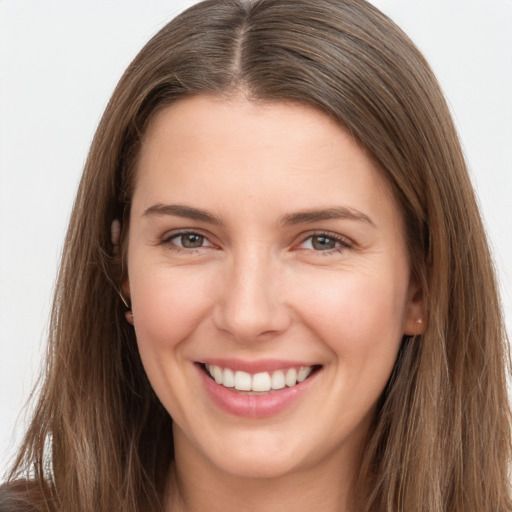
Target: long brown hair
{"points": [[101, 441]]}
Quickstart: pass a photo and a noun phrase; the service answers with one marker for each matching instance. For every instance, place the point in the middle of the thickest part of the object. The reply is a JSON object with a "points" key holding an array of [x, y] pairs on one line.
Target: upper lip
{"points": [[256, 366]]}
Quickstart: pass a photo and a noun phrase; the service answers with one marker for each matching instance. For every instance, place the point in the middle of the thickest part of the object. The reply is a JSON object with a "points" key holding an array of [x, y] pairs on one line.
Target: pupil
{"points": [[192, 241], [323, 243]]}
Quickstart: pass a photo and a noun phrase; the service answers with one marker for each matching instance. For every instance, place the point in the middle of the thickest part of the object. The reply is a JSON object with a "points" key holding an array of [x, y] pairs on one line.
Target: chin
{"points": [[259, 457], [257, 467]]}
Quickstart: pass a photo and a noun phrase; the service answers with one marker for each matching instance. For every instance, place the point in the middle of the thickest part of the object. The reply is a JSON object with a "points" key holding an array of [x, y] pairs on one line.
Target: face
{"points": [[269, 283]]}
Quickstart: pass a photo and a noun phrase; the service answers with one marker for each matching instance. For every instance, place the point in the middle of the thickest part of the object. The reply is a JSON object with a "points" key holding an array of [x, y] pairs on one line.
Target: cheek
{"points": [[168, 304], [359, 316]]}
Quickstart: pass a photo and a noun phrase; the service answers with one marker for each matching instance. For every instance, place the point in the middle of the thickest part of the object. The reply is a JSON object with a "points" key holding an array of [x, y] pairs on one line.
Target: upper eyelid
{"points": [[328, 234], [168, 235]]}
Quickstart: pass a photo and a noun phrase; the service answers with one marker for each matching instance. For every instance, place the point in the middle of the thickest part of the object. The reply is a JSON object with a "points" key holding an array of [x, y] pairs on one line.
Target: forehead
{"points": [[209, 149], [247, 124]]}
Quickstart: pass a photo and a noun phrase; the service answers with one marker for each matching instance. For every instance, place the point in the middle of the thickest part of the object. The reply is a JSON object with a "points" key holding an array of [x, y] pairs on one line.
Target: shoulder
{"points": [[24, 496]]}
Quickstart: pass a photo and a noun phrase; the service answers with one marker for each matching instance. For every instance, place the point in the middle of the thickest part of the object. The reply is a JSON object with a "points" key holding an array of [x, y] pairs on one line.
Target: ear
{"points": [[115, 234], [415, 317], [125, 290]]}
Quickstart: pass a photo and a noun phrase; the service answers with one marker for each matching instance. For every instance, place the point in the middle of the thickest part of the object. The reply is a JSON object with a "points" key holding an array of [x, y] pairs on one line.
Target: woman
{"points": [[275, 242]]}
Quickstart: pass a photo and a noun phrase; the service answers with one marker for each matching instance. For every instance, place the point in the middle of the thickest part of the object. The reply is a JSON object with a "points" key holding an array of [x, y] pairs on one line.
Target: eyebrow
{"points": [[316, 215], [302, 217], [179, 210]]}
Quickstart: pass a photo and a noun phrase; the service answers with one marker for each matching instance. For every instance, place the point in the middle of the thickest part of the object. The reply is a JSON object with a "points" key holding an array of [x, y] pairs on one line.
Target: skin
{"points": [[257, 287]]}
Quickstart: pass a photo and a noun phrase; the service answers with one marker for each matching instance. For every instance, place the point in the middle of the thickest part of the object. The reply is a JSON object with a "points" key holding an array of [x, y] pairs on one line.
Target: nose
{"points": [[252, 303]]}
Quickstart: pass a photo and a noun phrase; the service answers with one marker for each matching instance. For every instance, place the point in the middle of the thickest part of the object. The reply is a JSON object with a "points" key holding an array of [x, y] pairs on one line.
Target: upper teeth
{"points": [[263, 381]]}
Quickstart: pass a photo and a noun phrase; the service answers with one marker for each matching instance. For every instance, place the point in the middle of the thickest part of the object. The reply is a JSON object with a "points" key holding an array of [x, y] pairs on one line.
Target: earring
{"points": [[125, 302], [129, 316], [128, 313], [115, 233]]}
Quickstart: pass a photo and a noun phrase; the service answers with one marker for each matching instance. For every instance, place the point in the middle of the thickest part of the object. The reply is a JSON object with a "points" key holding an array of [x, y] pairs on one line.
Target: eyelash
{"points": [[343, 242], [168, 241]]}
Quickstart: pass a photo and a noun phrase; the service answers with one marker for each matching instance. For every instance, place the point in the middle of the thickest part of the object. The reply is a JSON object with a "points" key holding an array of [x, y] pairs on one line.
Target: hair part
{"points": [[441, 437]]}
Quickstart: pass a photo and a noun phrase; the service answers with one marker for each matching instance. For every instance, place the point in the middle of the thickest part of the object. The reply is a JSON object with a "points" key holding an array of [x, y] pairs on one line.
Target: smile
{"points": [[261, 381], [256, 393]]}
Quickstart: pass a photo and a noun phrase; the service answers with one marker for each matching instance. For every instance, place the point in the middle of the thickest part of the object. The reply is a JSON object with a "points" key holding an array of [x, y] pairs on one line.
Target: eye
{"points": [[186, 241], [322, 242], [325, 242]]}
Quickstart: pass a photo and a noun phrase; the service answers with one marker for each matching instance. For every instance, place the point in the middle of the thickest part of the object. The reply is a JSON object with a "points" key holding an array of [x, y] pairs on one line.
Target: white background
{"points": [[59, 62]]}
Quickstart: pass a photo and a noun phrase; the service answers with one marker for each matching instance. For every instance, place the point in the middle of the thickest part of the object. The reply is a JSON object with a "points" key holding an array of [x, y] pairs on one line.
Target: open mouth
{"points": [[261, 382]]}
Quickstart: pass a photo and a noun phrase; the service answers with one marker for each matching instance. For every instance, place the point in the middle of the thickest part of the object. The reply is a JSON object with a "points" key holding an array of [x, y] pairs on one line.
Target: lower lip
{"points": [[254, 406]]}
